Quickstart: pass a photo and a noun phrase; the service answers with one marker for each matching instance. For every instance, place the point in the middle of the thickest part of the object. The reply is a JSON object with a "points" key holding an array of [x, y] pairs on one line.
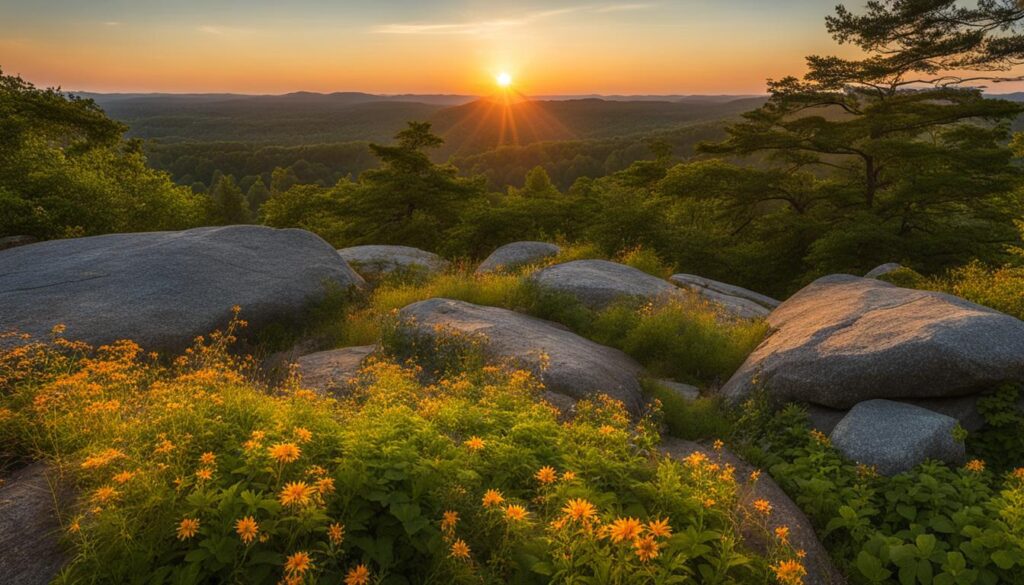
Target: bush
{"points": [[194, 473], [999, 288]]}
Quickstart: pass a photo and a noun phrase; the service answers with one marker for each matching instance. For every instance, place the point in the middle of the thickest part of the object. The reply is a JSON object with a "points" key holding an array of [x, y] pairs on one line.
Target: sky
{"points": [[412, 46]]}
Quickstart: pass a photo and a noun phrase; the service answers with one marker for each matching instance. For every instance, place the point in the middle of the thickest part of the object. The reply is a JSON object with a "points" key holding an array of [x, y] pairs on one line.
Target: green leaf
{"points": [[871, 567], [1004, 559]]}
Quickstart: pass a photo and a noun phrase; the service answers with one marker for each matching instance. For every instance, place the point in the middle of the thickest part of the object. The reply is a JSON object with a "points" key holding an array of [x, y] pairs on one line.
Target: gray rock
{"points": [[883, 270], [162, 289], [331, 371], [374, 261], [736, 301], [684, 391], [843, 339], [824, 418], [30, 532], [785, 512], [599, 283], [15, 241], [894, 437], [963, 408], [565, 362], [515, 255]]}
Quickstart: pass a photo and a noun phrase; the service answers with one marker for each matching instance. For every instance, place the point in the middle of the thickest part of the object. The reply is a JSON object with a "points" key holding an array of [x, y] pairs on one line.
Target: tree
{"points": [[257, 195], [228, 206], [895, 155], [408, 200]]}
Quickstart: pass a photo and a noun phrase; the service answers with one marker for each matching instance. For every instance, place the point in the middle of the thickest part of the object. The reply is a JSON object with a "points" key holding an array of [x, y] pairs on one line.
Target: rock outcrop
{"points": [[30, 534], [375, 261], [162, 289], [599, 283], [737, 301], [883, 269], [330, 372], [566, 363], [894, 437], [843, 340], [516, 254]]}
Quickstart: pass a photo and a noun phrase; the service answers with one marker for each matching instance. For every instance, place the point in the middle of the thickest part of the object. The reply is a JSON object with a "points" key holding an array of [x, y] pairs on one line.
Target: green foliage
{"points": [[999, 288], [930, 525], [701, 419], [1001, 442], [228, 205], [66, 172]]}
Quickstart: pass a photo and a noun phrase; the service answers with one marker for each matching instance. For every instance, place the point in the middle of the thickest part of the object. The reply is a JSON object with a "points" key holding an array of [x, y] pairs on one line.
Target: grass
{"points": [[693, 420], [999, 288]]}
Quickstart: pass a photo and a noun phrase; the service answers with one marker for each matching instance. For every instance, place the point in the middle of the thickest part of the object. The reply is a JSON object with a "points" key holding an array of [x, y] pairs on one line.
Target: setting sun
{"points": [[503, 79]]}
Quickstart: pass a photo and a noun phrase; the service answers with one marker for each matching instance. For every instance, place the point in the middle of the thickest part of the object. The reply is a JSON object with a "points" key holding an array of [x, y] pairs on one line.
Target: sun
{"points": [[503, 79]]}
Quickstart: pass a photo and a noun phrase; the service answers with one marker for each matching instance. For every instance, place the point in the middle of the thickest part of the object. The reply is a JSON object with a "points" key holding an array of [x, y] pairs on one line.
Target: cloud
{"points": [[480, 27], [112, 23], [218, 30]]}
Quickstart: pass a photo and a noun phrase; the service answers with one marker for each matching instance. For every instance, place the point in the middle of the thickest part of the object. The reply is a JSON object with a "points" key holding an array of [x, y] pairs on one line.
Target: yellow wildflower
{"points": [[188, 528], [763, 506], [568, 475], [975, 465], [298, 563], [450, 519], [295, 493], [789, 572], [660, 528], [285, 452], [360, 575], [546, 475], [515, 512], [204, 474], [580, 510], [492, 498], [474, 443], [336, 532], [646, 548], [247, 528], [782, 533], [624, 529], [460, 550], [303, 435], [208, 458]]}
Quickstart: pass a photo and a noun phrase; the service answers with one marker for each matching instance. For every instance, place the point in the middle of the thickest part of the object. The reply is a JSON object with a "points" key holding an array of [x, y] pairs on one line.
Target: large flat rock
{"points": [[161, 289], [843, 340], [331, 371], [735, 300], [516, 254], [599, 283], [375, 261], [566, 363]]}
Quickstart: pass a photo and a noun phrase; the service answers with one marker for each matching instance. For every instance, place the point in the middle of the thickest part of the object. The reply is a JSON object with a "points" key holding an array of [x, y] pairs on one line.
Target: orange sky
{"points": [[444, 46]]}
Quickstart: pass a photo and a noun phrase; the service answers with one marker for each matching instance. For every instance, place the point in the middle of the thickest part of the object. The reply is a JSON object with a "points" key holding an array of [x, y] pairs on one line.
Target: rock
{"points": [[599, 283], [684, 391], [566, 363], [883, 270], [894, 437], [330, 372], [963, 408], [162, 289], [820, 569], [15, 241], [375, 261], [30, 533], [843, 340], [739, 302], [824, 418], [517, 254]]}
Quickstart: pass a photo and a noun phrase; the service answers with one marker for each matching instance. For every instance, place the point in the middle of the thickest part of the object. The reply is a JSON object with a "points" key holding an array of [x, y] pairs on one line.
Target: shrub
{"points": [[192, 472], [999, 288]]}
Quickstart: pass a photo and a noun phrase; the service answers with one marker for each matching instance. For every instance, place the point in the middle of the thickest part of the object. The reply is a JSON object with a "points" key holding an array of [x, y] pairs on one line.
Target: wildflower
{"points": [[124, 477], [789, 572], [451, 518], [474, 443], [568, 475], [718, 445], [297, 563], [360, 575], [546, 475], [316, 471], [188, 528], [303, 435], [165, 446], [208, 458], [975, 466], [660, 528], [336, 532], [247, 528], [515, 512], [782, 533], [1018, 473], [819, 437], [646, 548], [105, 494], [204, 474], [579, 510], [102, 458], [285, 452], [75, 526], [755, 475], [606, 429], [763, 506], [460, 550], [324, 486], [492, 498], [295, 493], [695, 459], [624, 529], [709, 502]]}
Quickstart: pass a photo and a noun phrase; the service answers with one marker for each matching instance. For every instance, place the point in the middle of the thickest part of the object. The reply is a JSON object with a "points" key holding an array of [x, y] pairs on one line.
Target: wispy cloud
{"points": [[479, 27], [112, 23], [218, 30]]}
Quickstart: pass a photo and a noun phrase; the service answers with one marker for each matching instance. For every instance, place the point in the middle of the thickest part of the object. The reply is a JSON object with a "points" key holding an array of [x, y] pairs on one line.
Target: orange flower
{"points": [[208, 458], [515, 512], [695, 459], [124, 476], [763, 506], [295, 493], [646, 548], [336, 532], [755, 475], [460, 550], [660, 528], [546, 475], [247, 528], [188, 528], [1018, 473], [492, 498], [789, 572], [624, 529], [298, 563], [285, 452], [451, 518], [303, 435], [580, 510], [782, 533], [718, 445], [606, 429], [568, 475], [360, 575], [204, 474], [324, 486], [105, 494], [474, 443], [975, 465]]}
